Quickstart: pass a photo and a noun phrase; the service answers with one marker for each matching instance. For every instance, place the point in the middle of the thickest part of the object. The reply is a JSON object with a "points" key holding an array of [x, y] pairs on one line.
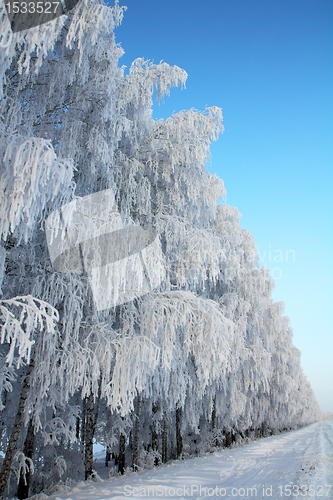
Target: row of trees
{"points": [[207, 354]]}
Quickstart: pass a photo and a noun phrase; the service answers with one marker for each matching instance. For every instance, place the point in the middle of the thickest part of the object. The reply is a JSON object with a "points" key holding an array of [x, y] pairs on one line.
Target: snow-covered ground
{"points": [[295, 464]]}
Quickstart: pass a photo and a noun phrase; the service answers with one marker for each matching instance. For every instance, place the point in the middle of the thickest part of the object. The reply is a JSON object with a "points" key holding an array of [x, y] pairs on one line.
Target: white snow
{"points": [[295, 464]]}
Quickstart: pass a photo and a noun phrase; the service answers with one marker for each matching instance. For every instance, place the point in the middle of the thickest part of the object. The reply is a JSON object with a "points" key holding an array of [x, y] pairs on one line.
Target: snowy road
{"points": [[295, 464]]}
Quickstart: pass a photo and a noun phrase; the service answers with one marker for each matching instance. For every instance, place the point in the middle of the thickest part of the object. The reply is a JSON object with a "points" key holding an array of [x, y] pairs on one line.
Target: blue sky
{"points": [[269, 65]]}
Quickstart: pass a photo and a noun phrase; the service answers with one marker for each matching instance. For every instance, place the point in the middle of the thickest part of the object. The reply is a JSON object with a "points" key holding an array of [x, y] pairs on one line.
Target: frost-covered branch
{"points": [[17, 328], [29, 166]]}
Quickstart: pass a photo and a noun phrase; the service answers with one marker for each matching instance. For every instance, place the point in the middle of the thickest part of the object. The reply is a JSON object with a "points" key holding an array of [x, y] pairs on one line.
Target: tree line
{"points": [[201, 360]]}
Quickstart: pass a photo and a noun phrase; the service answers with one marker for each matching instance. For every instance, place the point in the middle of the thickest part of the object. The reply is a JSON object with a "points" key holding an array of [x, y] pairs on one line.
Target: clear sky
{"points": [[269, 65]]}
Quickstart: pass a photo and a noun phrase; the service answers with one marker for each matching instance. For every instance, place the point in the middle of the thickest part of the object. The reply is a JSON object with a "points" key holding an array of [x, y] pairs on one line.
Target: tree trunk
{"points": [[136, 435], [154, 439], [263, 429], [89, 451], [165, 440], [227, 438], [154, 434], [7, 463], [77, 428], [179, 438], [214, 416], [214, 422], [91, 421], [121, 456], [97, 403], [83, 425], [28, 449], [107, 456]]}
